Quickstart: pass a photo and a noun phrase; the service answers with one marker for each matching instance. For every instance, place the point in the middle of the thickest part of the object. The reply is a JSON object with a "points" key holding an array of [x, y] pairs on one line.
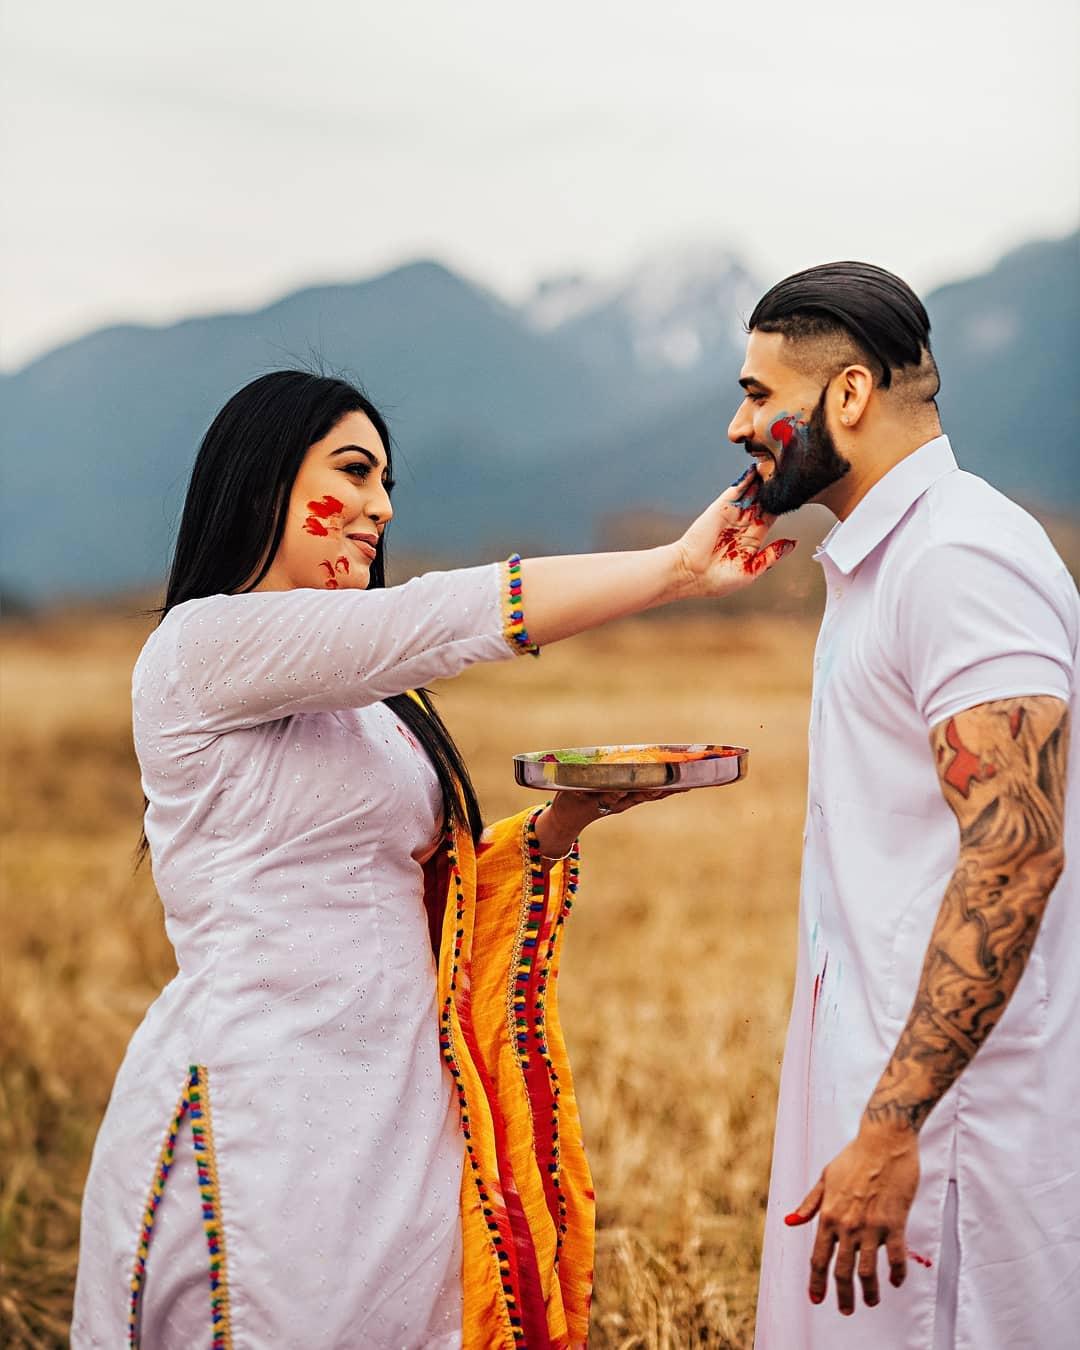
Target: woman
{"points": [[348, 1121]]}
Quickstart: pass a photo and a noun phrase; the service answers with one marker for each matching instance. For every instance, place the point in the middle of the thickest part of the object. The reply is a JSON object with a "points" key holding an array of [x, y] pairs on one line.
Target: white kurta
{"points": [[942, 594], [289, 815]]}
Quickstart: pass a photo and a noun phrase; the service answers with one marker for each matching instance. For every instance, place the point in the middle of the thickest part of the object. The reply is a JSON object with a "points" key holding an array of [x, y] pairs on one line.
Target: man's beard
{"points": [[810, 464]]}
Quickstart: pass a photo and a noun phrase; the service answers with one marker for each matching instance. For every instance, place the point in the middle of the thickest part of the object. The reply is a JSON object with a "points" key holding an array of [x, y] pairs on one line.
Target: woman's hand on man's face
{"points": [[725, 550]]}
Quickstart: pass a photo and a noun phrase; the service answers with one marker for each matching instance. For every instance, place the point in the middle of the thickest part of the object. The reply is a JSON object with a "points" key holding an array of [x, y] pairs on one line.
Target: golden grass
{"points": [[676, 977]]}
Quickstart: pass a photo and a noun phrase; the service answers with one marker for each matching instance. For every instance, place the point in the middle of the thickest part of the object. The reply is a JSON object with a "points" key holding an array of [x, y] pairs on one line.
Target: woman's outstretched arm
{"points": [[721, 552], [239, 660]]}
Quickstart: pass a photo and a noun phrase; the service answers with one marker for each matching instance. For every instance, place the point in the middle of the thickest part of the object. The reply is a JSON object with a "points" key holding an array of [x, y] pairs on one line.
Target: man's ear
{"points": [[850, 394]]}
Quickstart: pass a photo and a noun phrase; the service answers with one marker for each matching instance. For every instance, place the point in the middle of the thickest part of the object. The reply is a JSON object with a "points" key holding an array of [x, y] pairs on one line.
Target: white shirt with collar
{"points": [[942, 594]]}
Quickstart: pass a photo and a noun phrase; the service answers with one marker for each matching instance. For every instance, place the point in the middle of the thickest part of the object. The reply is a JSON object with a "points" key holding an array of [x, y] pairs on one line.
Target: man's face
{"points": [[781, 422]]}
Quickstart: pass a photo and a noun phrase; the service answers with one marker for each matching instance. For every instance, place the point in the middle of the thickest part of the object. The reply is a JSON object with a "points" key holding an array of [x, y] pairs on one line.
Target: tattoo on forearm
{"points": [[1002, 767]]}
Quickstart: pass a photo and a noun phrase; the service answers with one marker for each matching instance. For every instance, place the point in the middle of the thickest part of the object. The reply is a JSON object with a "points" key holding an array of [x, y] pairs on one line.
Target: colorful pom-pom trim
{"points": [[494, 1212], [513, 611], [195, 1100], [530, 1012]]}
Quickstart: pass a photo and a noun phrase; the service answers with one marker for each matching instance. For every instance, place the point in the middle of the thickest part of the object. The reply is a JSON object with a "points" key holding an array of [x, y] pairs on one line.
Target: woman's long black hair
{"points": [[234, 517]]}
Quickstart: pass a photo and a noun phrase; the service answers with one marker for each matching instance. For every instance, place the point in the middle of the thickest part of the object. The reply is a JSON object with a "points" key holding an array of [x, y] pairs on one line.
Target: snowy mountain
{"points": [[677, 314]]}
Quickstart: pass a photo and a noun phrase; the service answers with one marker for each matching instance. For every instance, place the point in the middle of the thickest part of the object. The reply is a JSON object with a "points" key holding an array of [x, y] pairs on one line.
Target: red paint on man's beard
{"points": [[320, 511], [965, 768]]}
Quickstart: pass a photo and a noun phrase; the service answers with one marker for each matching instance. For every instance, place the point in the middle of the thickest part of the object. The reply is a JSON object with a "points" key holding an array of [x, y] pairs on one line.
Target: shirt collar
{"points": [[850, 541]]}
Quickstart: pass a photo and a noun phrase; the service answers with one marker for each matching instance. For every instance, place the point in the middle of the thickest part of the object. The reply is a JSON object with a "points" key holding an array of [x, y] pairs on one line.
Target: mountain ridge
{"points": [[505, 428]]}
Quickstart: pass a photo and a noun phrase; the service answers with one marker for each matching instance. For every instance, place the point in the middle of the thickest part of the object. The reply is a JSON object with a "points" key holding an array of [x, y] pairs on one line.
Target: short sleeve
{"points": [[982, 622], [238, 660]]}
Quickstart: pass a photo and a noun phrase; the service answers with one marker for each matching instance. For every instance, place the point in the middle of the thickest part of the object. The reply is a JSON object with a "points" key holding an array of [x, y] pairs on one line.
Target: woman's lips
{"points": [[366, 544]]}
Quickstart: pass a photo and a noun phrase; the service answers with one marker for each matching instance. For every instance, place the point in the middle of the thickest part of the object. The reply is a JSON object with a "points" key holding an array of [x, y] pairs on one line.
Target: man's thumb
{"points": [[807, 1209]]}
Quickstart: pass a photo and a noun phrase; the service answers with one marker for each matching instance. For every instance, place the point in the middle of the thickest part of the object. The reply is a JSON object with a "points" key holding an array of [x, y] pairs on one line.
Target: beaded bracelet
{"points": [[513, 613]]}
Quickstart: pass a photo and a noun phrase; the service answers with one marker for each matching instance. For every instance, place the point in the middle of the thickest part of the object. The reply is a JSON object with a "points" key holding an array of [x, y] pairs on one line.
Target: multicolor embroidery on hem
{"points": [[513, 612], [196, 1100], [446, 1044]]}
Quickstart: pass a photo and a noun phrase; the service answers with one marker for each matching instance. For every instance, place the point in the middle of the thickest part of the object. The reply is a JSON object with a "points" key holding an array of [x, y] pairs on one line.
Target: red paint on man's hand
{"points": [[965, 768]]}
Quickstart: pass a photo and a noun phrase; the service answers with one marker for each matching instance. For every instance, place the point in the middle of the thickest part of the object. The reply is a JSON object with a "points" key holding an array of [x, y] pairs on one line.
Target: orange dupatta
{"points": [[527, 1208]]}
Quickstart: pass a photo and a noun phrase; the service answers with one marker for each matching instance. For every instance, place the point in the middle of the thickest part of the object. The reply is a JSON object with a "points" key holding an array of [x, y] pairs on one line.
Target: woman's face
{"points": [[338, 509]]}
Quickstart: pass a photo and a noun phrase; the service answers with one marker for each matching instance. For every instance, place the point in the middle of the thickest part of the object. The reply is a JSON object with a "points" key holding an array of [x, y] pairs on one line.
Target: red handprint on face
{"points": [[324, 510], [333, 569], [326, 518]]}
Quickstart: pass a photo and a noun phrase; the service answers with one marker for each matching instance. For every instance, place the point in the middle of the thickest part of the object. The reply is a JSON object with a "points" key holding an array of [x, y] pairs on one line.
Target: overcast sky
{"points": [[162, 160]]}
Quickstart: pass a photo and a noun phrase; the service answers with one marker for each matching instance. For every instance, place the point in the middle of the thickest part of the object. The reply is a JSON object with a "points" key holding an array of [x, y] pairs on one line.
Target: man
{"points": [[930, 1095]]}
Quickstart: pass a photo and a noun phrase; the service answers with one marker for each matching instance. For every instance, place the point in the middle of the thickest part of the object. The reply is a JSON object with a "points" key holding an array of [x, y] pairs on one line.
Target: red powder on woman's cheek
{"points": [[320, 511]]}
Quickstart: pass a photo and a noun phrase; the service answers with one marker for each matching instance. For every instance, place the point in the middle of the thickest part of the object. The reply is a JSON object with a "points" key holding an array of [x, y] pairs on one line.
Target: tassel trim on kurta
{"points": [[530, 985], [194, 1100], [492, 1207]]}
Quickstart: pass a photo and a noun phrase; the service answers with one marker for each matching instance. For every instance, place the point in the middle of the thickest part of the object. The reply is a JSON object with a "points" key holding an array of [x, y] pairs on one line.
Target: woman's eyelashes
{"points": [[361, 471]]}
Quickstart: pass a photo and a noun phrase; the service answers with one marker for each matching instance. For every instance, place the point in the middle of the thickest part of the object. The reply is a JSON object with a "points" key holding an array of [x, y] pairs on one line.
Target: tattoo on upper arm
{"points": [[1002, 770]]}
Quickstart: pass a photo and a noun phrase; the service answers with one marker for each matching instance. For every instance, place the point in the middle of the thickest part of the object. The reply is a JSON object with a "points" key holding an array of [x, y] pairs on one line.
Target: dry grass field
{"points": [[677, 970]]}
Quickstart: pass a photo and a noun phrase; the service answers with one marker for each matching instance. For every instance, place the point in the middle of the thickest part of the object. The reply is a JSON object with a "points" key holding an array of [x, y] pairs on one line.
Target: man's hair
{"points": [[841, 306]]}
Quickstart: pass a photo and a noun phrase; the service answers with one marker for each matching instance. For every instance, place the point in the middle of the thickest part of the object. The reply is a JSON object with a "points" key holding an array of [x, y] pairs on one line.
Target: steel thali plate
{"points": [[631, 768]]}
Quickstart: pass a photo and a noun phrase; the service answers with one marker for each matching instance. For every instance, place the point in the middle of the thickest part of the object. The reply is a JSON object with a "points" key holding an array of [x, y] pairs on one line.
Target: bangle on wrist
{"points": [[558, 857]]}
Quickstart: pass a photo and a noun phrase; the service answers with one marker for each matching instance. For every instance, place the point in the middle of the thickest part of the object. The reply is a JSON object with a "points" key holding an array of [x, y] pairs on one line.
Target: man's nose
{"points": [[741, 427]]}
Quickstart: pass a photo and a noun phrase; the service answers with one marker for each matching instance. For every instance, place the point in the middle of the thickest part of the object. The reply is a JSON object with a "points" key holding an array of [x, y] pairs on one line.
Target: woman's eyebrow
{"points": [[373, 459]]}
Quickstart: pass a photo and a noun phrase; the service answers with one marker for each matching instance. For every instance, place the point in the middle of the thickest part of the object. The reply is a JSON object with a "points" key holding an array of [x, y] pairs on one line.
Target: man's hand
{"points": [[862, 1201]]}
